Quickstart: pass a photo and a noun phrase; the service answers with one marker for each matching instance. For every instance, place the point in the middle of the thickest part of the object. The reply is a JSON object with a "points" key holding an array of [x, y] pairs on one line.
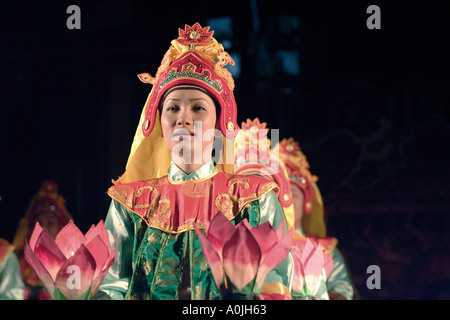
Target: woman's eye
{"points": [[199, 108], [172, 108]]}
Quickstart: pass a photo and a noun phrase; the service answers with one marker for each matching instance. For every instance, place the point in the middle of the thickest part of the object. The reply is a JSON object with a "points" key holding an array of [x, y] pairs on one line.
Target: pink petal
{"points": [[42, 273], [99, 230], [69, 239], [98, 281], [241, 256], [84, 265], [49, 254], [299, 244], [307, 250], [35, 235], [274, 257], [280, 230], [206, 225], [213, 258], [99, 252], [313, 268], [299, 274], [219, 231], [266, 237]]}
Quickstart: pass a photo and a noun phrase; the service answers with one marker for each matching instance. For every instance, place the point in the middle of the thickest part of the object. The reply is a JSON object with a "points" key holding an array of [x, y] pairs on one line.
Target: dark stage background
{"points": [[369, 108]]}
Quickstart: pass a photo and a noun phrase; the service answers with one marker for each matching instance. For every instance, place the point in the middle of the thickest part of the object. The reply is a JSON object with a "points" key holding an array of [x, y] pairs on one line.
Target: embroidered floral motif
{"points": [[163, 210], [188, 68], [197, 190], [224, 204], [153, 238], [205, 73], [166, 272], [195, 35], [147, 266], [158, 181]]}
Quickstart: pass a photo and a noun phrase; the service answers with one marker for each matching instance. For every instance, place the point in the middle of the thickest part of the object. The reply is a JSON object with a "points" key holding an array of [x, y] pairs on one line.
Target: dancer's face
{"points": [[50, 222], [186, 115]]}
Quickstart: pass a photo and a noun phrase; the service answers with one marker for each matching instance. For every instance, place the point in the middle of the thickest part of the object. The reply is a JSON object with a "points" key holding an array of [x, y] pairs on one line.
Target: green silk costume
{"points": [[11, 284], [155, 264]]}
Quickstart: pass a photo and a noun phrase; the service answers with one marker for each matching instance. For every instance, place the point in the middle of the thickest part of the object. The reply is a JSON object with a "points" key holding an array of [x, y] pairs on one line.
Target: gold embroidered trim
{"points": [[129, 204], [225, 207], [158, 181], [163, 208]]}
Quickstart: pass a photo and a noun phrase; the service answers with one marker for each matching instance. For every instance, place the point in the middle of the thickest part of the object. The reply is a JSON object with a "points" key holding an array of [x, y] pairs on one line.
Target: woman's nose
{"points": [[184, 119]]}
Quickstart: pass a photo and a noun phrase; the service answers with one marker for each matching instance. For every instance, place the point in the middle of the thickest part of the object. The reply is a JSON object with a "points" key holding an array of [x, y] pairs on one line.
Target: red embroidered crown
{"points": [[194, 58]]}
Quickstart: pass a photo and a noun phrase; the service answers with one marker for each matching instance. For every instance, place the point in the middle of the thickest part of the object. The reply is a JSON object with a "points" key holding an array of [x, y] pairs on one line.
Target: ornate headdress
{"points": [[194, 58], [47, 199], [253, 156], [299, 173]]}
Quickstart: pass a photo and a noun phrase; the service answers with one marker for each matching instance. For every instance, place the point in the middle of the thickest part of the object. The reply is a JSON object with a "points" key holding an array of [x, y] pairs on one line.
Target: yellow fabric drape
{"points": [[313, 224]]}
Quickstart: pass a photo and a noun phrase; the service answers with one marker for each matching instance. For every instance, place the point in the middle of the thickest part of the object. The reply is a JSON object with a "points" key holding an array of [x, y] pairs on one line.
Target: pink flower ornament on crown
{"points": [[195, 35]]}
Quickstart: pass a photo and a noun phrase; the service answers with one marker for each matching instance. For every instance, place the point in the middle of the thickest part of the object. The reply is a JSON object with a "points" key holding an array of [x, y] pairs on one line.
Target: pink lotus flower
{"points": [[325, 243], [73, 265], [309, 264], [243, 254]]}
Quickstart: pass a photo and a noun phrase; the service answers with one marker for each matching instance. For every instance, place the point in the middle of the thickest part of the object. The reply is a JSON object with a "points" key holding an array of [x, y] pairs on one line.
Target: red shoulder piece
{"points": [[176, 206]]}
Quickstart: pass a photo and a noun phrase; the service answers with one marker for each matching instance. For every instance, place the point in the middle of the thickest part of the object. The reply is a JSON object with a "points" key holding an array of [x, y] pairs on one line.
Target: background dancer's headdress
{"points": [[298, 169], [253, 156], [47, 199]]}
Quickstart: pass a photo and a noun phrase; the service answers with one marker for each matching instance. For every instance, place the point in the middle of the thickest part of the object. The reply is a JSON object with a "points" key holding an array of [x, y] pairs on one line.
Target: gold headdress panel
{"points": [[297, 167], [195, 58]]}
